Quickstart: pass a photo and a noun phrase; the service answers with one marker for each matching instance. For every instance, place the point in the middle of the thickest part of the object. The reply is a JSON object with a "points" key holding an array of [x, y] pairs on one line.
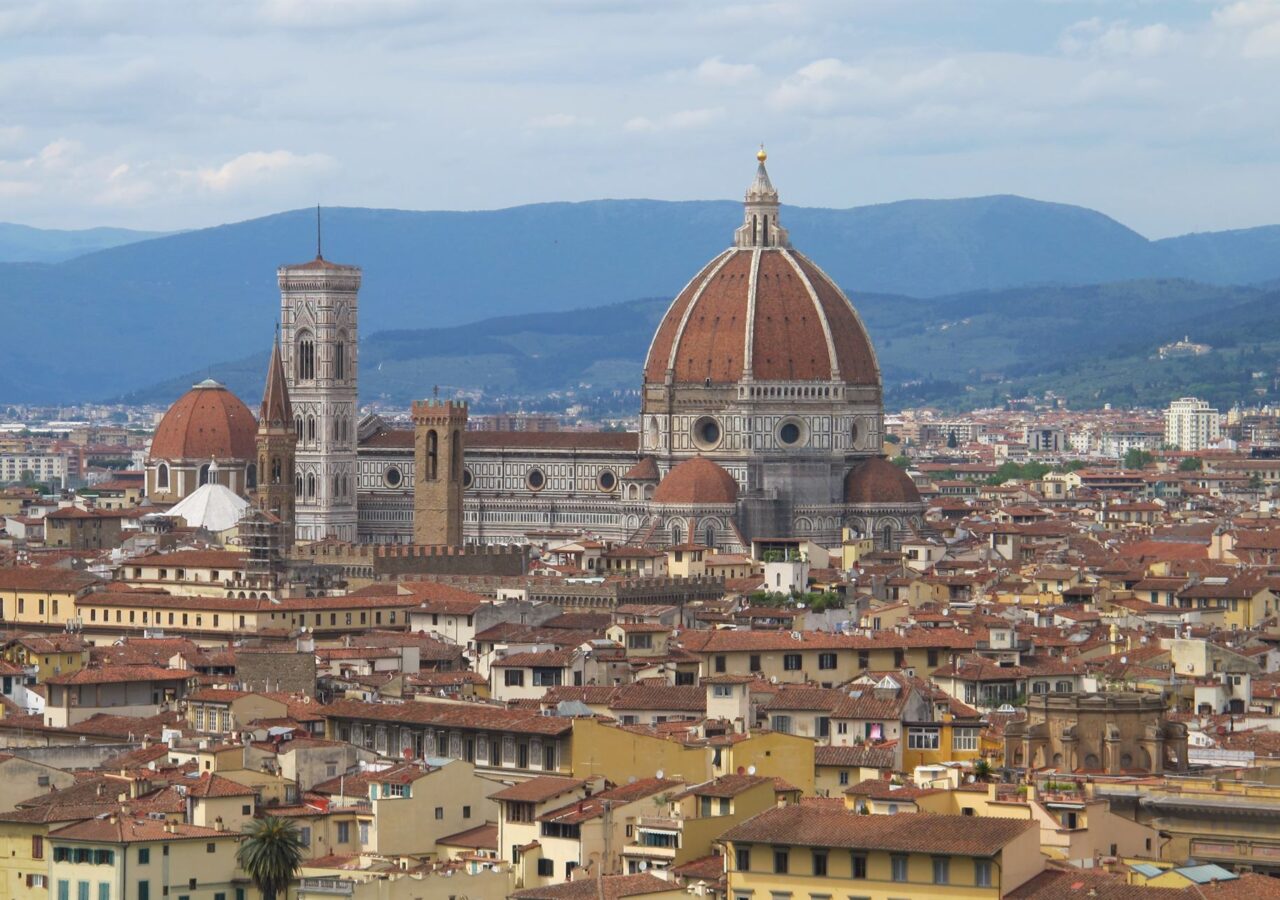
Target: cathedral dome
{"points": [[877, 480], [761, 310], [207, 422], [697, 480]]}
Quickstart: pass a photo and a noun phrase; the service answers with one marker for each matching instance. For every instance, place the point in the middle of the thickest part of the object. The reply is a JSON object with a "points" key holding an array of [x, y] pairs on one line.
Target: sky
{"points": [[169, 114]]}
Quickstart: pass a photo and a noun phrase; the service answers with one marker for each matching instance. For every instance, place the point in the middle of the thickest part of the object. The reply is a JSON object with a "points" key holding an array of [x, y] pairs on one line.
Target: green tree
{"points": [[982, 769], [901, 462], [270, 854], [1137, 459], [1191, 464], [952, 441]]}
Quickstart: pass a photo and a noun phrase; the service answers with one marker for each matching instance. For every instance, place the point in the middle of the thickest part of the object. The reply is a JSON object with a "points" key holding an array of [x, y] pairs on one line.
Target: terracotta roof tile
{"points": [[917, 833]]}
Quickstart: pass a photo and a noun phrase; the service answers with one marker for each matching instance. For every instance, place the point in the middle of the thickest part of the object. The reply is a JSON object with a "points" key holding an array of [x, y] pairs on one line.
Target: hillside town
{"points": [[770, 641]]}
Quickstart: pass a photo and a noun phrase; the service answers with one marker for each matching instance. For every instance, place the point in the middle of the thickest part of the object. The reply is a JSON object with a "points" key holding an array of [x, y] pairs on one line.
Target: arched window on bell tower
{"points": [[162, 477], [305, 362], [340, 357], [433, 456], [276, 472]]}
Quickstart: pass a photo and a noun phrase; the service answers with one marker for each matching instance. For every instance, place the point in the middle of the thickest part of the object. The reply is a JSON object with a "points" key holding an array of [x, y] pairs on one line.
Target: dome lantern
{"points": [[760, 227]]}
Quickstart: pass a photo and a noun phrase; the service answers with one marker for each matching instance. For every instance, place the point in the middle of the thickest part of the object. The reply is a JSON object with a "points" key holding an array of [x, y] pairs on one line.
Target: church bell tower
{"points": [[438, 430], [318, 342]]}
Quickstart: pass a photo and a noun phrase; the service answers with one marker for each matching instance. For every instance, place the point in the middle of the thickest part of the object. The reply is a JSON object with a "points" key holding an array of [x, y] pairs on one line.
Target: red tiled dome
{"points": [[207, 421], [879, 481], [697, 480], [770, 305]]}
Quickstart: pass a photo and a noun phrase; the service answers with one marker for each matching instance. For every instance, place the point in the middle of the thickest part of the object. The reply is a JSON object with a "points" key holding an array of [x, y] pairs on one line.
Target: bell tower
{"points": [[318, 343], [277, 442], [438, 430]]}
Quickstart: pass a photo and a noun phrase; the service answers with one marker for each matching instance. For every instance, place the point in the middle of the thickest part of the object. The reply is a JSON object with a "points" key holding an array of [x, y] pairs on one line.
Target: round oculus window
{"points": [[607, 480], [392, 476], [466, 478], [706, 432], [792, 432], [535, 479]]}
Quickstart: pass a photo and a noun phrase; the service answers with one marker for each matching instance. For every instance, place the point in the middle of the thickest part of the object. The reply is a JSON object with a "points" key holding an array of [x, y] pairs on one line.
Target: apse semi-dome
{"points": [[697, 480], [764, 311], [207, 422], [878, 481]]}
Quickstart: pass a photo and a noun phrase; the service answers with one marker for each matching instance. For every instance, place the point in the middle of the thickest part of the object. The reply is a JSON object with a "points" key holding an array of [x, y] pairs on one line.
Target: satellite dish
{"points": [[971, 779], [751, 770], [660, 773], [631, 779]]}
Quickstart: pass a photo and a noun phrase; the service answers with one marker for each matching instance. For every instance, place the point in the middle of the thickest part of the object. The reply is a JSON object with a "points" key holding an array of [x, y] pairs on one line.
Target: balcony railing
{"points": [[335, 887], [661, 823]]}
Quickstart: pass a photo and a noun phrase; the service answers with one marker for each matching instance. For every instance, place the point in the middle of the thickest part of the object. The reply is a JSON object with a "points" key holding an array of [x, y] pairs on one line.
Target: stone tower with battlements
{"points": [[438, 440], [318, 344]]}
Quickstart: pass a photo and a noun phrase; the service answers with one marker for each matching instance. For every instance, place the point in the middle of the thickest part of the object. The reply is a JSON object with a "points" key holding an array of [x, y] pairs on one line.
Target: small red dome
{"points": [[645, 470], [879, 481], [206, 422], [697, 480]]}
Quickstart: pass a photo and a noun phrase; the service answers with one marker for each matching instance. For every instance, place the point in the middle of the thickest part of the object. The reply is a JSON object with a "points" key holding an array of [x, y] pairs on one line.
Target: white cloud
{"points": [[137, 112], [258, 167], [683, 120], [1256, 23], [829, 84], [1119, 38], [556, 120], [716, 71], [341, 13]]}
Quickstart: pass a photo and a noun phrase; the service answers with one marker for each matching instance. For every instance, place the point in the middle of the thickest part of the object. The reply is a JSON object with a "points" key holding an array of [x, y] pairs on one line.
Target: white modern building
{"points": [[1191, 424]]}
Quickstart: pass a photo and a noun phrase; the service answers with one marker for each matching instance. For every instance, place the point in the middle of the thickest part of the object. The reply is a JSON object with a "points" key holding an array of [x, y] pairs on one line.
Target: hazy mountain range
{"points": [[22, 243], [990, 293]]}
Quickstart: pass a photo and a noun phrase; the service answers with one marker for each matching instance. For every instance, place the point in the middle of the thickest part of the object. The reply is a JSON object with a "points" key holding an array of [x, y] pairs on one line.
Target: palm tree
{"points": [[270, 853], [982, 769]]}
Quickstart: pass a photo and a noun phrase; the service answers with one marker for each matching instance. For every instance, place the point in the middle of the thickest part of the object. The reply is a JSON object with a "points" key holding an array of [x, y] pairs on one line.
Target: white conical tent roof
{"points": [[213, 507]]}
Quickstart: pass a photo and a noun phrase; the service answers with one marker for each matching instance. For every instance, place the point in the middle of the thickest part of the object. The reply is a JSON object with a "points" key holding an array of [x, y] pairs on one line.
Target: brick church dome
{"points": [[761, 309], [697, 480], [206, 422], [877, 480]]}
